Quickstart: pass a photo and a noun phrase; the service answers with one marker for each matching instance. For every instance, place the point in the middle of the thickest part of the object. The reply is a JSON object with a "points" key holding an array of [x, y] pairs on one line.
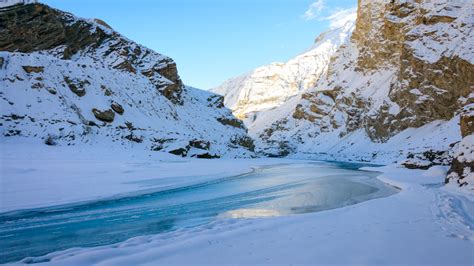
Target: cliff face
{"points": [[427, 46], [71, 81], [411, 62], [33, 28], [267, 87], [394, 90]]}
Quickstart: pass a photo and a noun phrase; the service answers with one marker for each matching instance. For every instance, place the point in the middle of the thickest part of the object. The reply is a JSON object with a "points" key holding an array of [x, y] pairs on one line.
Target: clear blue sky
{"points": [[213, 40]]}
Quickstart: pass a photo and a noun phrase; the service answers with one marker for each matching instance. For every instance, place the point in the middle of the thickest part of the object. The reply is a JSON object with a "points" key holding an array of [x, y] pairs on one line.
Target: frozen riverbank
{"points": [[34, 175]]}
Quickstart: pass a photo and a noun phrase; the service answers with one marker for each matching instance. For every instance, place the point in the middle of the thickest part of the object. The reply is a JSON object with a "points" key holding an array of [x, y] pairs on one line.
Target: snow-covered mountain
{"points": [[395, 90], [267, 87], [71, 81]]}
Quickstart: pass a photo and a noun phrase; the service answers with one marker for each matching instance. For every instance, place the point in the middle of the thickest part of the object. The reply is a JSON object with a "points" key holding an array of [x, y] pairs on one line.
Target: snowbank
{"points": [[34, 175]]}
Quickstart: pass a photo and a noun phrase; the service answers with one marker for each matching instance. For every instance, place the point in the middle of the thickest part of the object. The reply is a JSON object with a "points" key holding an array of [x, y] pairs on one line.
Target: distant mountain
{"points": [[71, 81], [396, 90], [267, 87]]}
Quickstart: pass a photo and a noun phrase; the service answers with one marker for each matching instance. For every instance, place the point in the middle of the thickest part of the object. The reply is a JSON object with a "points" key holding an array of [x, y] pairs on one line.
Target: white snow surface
{"points": [[424, 224], [34, 175]]}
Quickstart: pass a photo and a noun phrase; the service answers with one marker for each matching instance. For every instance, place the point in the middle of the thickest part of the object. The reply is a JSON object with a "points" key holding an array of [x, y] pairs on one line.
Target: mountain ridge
{"points": [[70, 81]]}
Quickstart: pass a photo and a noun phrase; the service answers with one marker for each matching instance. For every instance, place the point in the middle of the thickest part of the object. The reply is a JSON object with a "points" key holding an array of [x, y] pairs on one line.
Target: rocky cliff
{"points": [[268, 87], [70, 81], [395, 90]]}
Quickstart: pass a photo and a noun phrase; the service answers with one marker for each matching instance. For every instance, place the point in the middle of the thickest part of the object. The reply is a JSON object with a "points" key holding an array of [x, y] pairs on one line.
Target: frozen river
{"points": [[270, 191]]}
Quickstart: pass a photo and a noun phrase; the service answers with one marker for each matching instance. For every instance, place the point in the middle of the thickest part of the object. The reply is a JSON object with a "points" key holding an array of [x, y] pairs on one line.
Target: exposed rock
{"points": [[52, 91], [50, 141], [200, 144], [33, 69], [462, 168], [79, 56], [301, 114], [134, 138], [103, 23], [105, 116], [37, 27], [21, 23], [207, 156], [170, 72], [172, 92], [407, 68], [117, 108], [107, 91], [127, 66], [2, 61], [77, 86], [467, 120], [216, 101], [245, 142], [233, 122], [180, 152], [461, 172], [417, 164], [273, 85]]}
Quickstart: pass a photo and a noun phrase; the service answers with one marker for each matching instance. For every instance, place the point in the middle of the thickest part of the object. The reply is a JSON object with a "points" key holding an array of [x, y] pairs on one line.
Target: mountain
{"points": [[267, 87], [72, 81], [395, 91]]}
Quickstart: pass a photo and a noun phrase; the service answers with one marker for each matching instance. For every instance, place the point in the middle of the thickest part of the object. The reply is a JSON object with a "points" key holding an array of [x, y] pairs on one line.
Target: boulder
{"points": [[207, 156], [77, 87], [233, 122], [200, 144], [105, 116], [180, 152], [33, 69], [117, 108]]}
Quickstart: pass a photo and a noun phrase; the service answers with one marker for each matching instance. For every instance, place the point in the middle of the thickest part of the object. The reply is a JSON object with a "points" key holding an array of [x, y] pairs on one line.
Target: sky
{"points": [[214, 40]]}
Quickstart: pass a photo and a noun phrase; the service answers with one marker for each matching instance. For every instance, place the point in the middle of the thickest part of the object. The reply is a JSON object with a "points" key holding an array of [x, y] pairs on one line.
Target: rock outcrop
{"points": [[394, 89], [249, 95], [461, 172], [37, 27]]}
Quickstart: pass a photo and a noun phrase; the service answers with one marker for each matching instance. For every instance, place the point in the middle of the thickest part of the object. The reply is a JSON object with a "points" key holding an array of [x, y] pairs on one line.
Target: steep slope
{"points": [[267, 87], [71, 81], [393, 91]]}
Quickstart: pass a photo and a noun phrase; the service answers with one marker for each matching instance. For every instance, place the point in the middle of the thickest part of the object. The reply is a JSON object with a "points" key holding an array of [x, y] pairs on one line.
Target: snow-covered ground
{"points": [[426, 223]]}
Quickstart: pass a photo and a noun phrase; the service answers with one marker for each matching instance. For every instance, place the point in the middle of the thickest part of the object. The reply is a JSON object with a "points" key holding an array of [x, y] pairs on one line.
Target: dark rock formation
{"points": [[105, 116], [233, 122], [37, 27], [33, 69], [117, 108]]}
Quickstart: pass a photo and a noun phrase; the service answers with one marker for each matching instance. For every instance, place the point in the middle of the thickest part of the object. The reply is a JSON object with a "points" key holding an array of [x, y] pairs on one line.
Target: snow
{"points": [[249, 93], [465, 152], [422, 225], [343, 128], [45, 106], [7, 3], [431, 42], [426, 223], [357, 146], [34, 175]]}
